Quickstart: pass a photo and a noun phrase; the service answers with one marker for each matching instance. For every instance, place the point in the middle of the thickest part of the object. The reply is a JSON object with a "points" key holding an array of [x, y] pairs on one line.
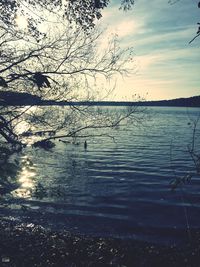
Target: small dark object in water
{"points": [[85, 144], [76, 143], [46, 144]]}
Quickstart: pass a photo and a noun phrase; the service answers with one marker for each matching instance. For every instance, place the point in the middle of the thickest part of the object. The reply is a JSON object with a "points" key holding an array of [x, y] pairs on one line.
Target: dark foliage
{"points": [[46, 144], [41, 80], [3, 83], [83, 12]]}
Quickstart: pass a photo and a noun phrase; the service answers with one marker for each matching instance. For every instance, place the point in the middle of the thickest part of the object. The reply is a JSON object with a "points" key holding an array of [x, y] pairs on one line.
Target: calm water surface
{"points": [[116, 188]]}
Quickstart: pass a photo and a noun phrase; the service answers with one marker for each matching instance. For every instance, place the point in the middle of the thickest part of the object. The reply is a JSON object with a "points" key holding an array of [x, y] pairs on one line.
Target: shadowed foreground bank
{"points": [[31, 245]]}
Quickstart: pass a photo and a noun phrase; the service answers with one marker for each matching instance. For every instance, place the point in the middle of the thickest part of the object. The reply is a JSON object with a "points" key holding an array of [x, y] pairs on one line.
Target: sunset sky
{"points": [[166, 65]]}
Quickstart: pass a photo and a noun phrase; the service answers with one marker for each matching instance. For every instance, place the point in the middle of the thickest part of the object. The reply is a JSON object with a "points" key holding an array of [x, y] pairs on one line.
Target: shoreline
{"points": [[27, 244]]}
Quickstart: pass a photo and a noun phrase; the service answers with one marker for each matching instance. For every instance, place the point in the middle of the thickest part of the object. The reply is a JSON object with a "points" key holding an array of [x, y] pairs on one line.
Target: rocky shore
{"points": [[24, 245]]}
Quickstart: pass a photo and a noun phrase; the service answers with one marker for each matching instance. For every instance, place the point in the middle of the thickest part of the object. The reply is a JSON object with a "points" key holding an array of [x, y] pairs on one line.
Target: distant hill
{"points": [[15, 98], [22, 99], [179, 102]]}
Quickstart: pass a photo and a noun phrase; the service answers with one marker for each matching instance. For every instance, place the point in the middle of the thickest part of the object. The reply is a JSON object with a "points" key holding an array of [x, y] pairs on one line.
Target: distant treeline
{"points": [[24, 99], [179, 102]]}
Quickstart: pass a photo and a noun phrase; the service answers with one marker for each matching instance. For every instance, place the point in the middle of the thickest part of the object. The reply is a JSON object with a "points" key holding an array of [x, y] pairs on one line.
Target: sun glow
{"points": [[21, 22]]}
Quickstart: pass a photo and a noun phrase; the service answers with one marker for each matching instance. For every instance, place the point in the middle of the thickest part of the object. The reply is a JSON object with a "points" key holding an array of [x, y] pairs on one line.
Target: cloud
{"points": [[164, 39], [167, 57], [125, 28], [159, 32], [121, 23]]}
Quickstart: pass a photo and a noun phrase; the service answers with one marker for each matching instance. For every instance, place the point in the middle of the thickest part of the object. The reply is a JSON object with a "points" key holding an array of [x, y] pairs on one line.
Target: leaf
{"points": [[3, 83], [41, 80]]}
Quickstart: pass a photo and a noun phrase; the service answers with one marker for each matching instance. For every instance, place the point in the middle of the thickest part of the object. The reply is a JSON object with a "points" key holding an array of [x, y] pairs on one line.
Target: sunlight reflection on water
{"points": [[25, 179]]}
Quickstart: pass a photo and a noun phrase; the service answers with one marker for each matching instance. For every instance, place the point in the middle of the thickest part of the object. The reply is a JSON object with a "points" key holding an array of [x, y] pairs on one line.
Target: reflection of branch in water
{"points": [[41, 192], [192, 150], [178, 182], [8, 171], [195, 156]]}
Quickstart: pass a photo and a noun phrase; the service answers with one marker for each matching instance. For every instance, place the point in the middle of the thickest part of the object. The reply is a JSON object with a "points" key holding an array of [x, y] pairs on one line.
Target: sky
{"points": [[166, 66]]}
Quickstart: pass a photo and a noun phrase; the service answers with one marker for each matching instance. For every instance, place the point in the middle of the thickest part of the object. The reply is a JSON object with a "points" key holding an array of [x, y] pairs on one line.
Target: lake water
{"points": [[120, 188]]}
